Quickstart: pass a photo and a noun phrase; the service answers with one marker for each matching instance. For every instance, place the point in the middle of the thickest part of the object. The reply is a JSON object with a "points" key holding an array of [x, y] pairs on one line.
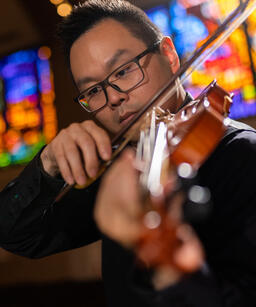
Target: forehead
{"points": [[106, 33], [95, 47]]}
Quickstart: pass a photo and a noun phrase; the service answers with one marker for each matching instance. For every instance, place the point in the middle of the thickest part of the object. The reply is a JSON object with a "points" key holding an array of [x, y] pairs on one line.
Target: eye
{"points": [[121, 73], [94, 91]]}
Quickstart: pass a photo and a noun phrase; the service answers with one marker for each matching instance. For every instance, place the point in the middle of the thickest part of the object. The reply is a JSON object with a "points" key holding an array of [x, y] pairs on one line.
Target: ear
{"points": [[167, 49]]}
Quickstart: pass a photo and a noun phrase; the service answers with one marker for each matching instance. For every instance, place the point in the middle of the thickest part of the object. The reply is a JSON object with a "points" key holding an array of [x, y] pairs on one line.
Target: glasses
{"points": [[123, 79]]}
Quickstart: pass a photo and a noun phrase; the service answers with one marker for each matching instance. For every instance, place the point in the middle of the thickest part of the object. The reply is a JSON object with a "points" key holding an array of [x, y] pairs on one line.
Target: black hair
{"points": [[88, 14]]}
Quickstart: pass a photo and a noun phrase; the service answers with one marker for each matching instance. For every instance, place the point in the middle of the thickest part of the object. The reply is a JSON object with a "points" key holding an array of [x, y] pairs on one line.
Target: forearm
{"points": [[32, 225]]}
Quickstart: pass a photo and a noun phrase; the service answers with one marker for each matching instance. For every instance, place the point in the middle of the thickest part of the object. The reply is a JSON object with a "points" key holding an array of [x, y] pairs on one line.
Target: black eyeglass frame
{"points": [[105, 82]]}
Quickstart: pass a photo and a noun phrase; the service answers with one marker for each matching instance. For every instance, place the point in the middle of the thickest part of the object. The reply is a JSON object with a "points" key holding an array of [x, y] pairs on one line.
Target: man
{"points": [[107, 42]]}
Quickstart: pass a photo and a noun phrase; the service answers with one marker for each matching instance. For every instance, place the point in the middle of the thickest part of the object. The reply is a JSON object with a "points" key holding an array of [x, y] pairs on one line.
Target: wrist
{"points": [[48, 166]]}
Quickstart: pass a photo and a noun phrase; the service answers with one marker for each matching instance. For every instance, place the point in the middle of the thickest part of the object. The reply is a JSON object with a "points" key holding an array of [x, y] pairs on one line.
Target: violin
{"points": [[181, 145]]}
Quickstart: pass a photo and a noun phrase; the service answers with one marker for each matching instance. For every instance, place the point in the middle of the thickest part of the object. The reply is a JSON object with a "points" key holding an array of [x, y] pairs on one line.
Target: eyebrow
{"points": [[109, 64]]}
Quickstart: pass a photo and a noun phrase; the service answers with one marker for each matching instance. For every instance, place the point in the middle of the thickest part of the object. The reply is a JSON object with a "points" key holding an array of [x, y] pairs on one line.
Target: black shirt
{"points": [[32, 226]]}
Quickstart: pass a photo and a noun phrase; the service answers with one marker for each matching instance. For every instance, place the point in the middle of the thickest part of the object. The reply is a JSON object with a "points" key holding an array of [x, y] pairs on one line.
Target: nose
{"points": [[115, 98]]}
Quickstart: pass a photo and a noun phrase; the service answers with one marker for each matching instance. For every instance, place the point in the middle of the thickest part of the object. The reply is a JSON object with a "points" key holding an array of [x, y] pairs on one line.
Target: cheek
{"points": [[162, 76], [107, 119], [155, 78], [103, 117]]}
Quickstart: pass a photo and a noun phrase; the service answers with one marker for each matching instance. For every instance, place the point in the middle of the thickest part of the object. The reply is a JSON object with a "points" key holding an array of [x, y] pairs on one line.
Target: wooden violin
{"points": [[182, 143]]}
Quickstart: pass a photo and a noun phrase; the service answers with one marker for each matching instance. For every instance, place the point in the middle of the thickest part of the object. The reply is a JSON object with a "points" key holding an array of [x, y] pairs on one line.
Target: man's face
{"points": [[95, 54]]}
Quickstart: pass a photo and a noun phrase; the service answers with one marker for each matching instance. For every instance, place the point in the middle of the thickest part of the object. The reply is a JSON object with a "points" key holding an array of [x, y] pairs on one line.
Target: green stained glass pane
{"points": [[5, 159]]}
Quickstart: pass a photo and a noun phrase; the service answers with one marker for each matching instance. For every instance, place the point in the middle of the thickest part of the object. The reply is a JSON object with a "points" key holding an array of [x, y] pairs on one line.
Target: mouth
{"points": [[123, 120]]}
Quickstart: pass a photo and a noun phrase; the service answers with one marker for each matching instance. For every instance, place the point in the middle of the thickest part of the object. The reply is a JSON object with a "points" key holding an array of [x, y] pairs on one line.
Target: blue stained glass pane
{"points": [[188, 31], [241, 108], [27, 56], [22, 75], [43, 67], [20, 87], [20, 153], [160, 17], [176, 9]]}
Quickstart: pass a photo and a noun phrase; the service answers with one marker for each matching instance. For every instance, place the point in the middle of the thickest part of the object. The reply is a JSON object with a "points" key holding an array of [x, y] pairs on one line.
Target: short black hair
{"points": [[88, 14]]}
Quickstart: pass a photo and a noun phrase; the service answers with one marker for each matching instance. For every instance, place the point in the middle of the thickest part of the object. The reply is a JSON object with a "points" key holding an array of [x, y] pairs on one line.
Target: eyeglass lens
{"points": [[125, 78]]}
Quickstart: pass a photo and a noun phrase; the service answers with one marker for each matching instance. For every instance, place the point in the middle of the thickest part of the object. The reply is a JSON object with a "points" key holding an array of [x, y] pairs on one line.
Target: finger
{"points": [[122, 183], [87, 147], [190, 256], [167, 193], [170, 184], [90, 156], [65, 170], [113, 220], [101, 139], [75, 163], [60, 165], [117, 207], [118, 225], [165, 276]]}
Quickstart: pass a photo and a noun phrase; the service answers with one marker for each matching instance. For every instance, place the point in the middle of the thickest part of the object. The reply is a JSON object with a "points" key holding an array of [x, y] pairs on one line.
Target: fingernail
{"points": [[81, 180], [106, 155], [70, 180], [93, 172]]}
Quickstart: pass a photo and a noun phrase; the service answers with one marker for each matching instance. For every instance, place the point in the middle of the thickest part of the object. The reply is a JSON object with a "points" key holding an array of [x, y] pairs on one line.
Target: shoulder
{"points": [[234, 159], [230, 174], [239, 139]]}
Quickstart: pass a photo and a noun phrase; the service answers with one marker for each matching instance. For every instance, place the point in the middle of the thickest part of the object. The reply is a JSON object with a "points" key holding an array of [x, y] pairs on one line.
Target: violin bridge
{"points": [[151, 150]]}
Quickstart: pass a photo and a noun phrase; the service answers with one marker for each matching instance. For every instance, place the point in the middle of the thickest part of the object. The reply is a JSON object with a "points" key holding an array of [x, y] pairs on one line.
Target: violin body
{"points": [[191, 135], [199, 126]]}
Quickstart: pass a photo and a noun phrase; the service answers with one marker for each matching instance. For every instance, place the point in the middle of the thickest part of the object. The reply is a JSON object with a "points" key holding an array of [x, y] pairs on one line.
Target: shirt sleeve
{"points": [[33, 225]]}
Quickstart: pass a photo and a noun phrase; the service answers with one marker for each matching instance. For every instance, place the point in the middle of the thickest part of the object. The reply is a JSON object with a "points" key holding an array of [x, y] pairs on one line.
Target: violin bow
{"points": [[230, 24]]}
